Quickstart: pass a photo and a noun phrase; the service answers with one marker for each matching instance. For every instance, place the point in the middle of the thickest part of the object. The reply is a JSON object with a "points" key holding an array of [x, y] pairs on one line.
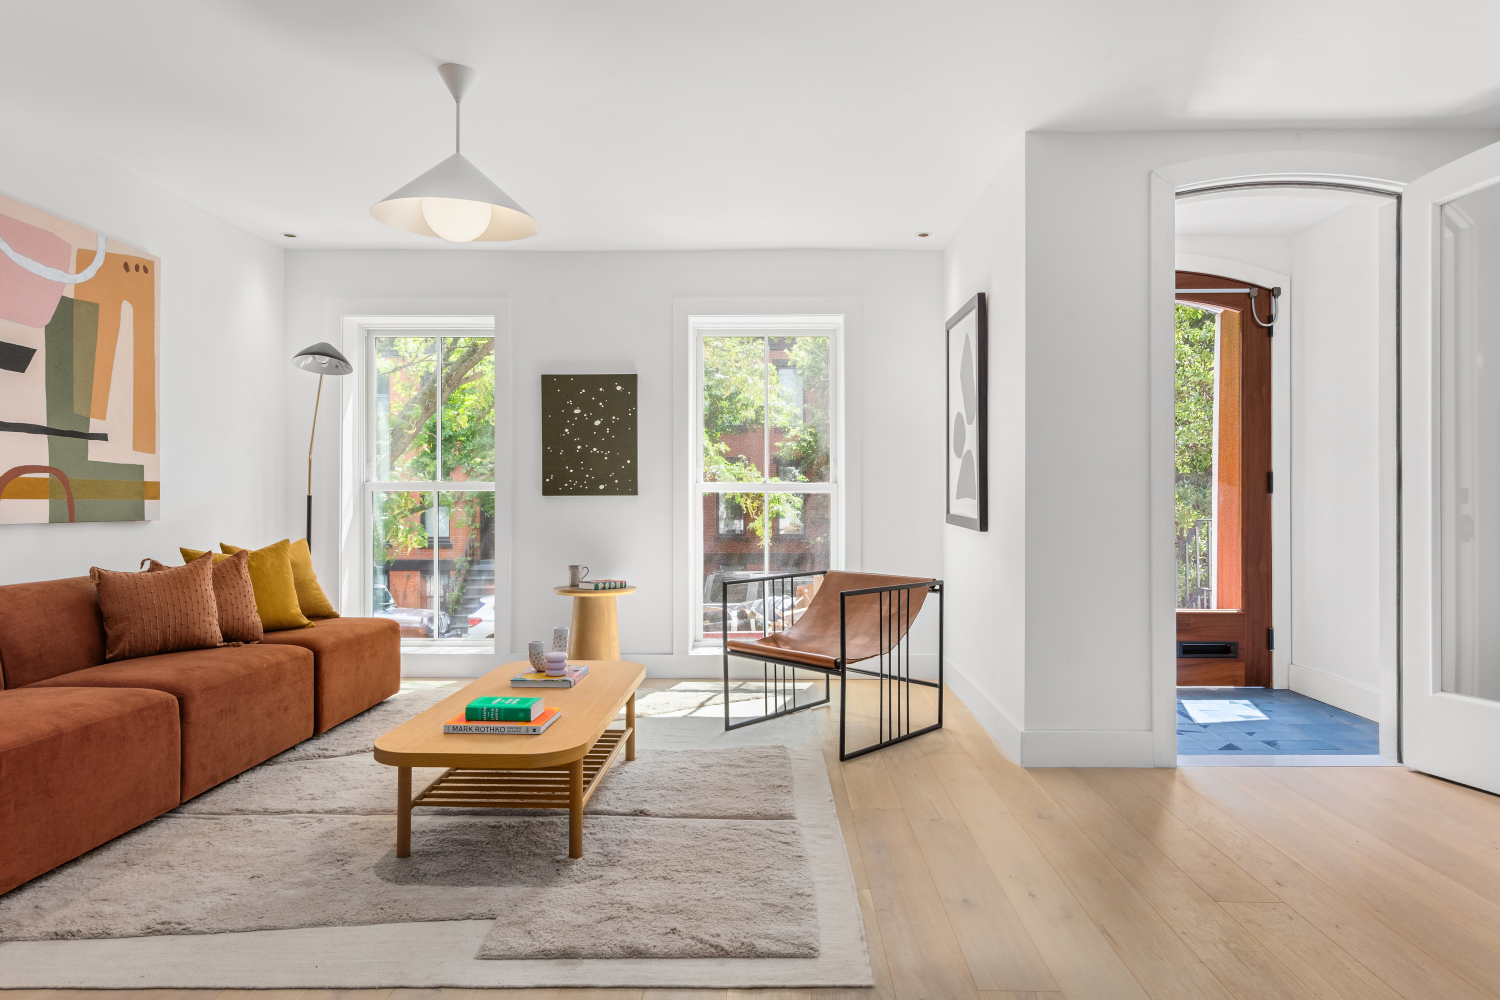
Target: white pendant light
{"points": [[453, 200]]}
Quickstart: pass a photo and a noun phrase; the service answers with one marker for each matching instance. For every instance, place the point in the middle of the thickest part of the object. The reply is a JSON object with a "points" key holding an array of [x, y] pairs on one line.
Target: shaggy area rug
{"points": [[712, 860], [653, 889]]}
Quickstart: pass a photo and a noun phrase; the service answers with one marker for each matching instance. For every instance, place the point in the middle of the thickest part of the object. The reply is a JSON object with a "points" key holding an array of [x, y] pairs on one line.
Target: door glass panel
{"points": [[1195, 393], [1469, 297]]}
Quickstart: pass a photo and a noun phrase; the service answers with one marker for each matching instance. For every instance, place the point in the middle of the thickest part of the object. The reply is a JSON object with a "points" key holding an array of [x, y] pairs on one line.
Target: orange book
{"points": [[458, 724]]}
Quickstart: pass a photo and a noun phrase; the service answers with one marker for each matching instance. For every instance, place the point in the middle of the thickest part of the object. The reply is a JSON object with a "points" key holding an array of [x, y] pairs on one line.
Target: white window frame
{"points": [[830, 326], [362, 454]]}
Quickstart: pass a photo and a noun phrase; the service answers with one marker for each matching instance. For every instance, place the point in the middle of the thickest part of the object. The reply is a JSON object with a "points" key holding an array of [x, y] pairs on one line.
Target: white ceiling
{"points": [[654, 124]]}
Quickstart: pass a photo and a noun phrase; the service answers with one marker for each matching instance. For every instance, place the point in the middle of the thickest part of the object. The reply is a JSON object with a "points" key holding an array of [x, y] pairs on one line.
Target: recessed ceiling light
{"points": [[924, 234], [291, 236]]}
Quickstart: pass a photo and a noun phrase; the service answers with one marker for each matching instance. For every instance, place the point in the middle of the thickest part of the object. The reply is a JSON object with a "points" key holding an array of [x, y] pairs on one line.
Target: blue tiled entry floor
{"points": [[1294, 725]]}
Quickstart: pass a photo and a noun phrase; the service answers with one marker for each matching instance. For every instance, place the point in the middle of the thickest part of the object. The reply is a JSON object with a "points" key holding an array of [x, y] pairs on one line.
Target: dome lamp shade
{"points": [[454, 200], [322, 358]]}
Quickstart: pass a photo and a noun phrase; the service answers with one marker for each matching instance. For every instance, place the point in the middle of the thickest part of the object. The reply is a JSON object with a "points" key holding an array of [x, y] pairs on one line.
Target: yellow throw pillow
{"points": [[188, 555], [275, 588], [315, 603]]}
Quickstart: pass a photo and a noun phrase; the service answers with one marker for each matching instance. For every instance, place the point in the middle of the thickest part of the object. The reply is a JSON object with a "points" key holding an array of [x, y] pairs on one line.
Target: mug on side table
{"points": [[577, 574]]}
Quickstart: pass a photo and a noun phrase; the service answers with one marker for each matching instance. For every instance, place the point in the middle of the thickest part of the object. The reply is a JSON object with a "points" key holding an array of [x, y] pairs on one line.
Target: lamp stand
{"points": [[311, 438]]}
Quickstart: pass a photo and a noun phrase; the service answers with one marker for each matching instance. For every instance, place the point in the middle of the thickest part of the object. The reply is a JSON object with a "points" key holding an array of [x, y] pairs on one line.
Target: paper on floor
{"points": [[1205, 712]]}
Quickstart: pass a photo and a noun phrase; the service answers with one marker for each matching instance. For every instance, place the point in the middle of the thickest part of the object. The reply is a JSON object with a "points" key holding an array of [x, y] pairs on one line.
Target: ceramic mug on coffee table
{"points": [[576, 575]]}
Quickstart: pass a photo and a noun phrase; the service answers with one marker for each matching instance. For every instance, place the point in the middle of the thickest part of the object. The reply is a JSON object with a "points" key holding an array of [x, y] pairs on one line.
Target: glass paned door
{"points": [[1450, 481], [431, 485], [1469, 311]]}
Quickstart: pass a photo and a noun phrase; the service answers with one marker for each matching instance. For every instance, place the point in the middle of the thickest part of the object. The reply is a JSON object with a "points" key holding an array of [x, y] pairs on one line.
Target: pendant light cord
{"points": [[457, 120]]}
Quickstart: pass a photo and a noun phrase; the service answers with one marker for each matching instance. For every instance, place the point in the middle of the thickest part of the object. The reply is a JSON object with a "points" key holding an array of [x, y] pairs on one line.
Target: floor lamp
{"points": [[324, 359]]}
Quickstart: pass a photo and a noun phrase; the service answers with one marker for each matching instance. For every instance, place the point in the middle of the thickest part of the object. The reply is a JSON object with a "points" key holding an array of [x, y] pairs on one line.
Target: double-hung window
{"points": [[766, 477], [431, 482]]}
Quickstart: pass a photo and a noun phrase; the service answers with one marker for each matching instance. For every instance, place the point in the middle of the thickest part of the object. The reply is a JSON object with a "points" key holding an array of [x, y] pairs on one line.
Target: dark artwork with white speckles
{"points": [[588, 435]]}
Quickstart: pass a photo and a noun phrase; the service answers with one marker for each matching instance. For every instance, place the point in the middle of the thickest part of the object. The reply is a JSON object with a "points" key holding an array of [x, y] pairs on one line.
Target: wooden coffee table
{"points": [[558, 769]]}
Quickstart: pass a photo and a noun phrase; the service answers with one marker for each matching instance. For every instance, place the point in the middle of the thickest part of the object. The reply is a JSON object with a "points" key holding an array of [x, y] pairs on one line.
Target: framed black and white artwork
{"points": [[968, 415], [588, 436]]}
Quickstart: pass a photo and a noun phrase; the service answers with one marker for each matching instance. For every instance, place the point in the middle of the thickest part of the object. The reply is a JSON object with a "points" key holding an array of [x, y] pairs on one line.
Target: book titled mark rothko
{"points": [[458, 724]]}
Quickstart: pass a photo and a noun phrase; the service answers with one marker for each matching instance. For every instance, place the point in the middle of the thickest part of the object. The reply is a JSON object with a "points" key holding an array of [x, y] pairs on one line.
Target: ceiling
{"points": [[659, 125]]}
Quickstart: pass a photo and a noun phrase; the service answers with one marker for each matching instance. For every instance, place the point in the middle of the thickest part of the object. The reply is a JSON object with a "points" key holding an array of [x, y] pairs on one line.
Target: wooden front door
{"points": [[1224, 482]]}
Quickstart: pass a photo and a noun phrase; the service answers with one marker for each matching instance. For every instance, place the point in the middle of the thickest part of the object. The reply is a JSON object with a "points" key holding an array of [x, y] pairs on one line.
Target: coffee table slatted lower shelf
{"points": [[533, 788]]}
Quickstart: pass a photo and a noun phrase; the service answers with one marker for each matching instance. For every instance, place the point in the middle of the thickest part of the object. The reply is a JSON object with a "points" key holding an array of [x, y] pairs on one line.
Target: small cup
{"points": [[536, 651], [577, 574], [560, 638]]}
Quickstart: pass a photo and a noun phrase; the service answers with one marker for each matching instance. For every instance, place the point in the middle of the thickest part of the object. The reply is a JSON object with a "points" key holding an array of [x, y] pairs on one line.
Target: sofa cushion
{"points": [[79, 766], [234, 597], [49, 628], [146, 614], [275, 586], [358, 663], [238, 705]]}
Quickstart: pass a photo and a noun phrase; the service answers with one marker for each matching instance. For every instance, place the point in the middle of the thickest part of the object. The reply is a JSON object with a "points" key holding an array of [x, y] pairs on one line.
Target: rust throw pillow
{"points": [[234, 596], [150, 613]]}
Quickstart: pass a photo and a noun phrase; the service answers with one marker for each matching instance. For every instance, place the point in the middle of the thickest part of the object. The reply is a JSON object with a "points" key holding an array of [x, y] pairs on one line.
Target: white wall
{"points": [[222, 366], [620, 312], [1094, 597], [1274, 253], [985, 644], [1337, 482]]}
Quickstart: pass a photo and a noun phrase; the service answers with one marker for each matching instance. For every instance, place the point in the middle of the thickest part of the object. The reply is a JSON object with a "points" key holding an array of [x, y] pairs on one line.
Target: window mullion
{"points": [[765, 475], [437, 496]]}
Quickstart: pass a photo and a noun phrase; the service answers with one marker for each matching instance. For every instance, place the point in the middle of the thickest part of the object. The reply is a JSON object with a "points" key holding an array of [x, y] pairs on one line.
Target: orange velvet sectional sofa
{"points": [[90, 750]]}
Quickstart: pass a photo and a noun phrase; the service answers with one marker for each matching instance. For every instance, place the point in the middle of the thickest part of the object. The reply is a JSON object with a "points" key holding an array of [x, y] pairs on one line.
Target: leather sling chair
{"points": [[832, 620]]}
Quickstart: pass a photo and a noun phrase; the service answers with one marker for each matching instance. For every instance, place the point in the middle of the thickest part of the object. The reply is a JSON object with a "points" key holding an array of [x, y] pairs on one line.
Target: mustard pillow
{"points": [[188, 555], [315, 603], [275, 588]]}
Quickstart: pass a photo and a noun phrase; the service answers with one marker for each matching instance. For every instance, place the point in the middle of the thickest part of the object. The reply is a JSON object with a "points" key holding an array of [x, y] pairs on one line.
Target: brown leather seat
{"points": [[875, 622], [357, 662], [79, 766], [238, 705]]}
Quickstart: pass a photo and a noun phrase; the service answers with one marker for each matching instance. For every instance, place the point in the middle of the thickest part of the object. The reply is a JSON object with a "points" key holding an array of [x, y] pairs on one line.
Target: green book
{"points": [[503, 709]]}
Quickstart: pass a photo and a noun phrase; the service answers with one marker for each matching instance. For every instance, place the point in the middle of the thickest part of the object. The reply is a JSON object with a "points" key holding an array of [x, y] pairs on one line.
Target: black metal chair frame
{"points": [[894, 659]]}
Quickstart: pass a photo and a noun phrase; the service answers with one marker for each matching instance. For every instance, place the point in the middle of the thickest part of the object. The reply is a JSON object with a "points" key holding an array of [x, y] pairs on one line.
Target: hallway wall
{"points": [[1069, 234]]}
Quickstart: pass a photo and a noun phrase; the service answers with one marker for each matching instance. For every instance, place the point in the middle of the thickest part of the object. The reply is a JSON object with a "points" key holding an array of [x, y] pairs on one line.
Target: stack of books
{"points": [[503, 717], [575, 673], [602, 585]]}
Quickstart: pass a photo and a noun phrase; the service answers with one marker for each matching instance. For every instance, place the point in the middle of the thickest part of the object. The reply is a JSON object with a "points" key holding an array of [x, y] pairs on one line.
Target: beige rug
{"points": [[661, 898]]}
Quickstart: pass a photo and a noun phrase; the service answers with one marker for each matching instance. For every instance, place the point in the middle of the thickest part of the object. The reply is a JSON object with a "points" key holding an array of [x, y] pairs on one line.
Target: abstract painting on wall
{"points": [[588, 435], [968, 416], [79, 329]]}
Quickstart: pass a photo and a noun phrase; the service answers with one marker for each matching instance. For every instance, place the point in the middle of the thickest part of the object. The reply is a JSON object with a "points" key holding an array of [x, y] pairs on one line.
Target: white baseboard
{"points": [[990, 715], [1081, 748], [1351, 696]]}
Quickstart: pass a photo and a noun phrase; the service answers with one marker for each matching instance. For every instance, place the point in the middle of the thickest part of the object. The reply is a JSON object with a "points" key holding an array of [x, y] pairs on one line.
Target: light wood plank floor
{"points": [[981, 880]]}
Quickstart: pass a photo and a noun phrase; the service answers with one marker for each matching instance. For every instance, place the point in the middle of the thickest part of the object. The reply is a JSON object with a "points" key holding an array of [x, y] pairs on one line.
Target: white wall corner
{"points": [[1163, 450], [989, 714], [1351, 696]]}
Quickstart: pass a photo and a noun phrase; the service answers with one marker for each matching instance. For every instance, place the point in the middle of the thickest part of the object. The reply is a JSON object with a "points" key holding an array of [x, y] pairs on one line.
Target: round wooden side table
{"points": [[595, 632]]}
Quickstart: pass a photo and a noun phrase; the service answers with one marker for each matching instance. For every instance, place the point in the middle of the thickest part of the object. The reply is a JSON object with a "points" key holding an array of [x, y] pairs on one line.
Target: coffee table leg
{"points": [[630, 724], [403, 812], [575, 809]]}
